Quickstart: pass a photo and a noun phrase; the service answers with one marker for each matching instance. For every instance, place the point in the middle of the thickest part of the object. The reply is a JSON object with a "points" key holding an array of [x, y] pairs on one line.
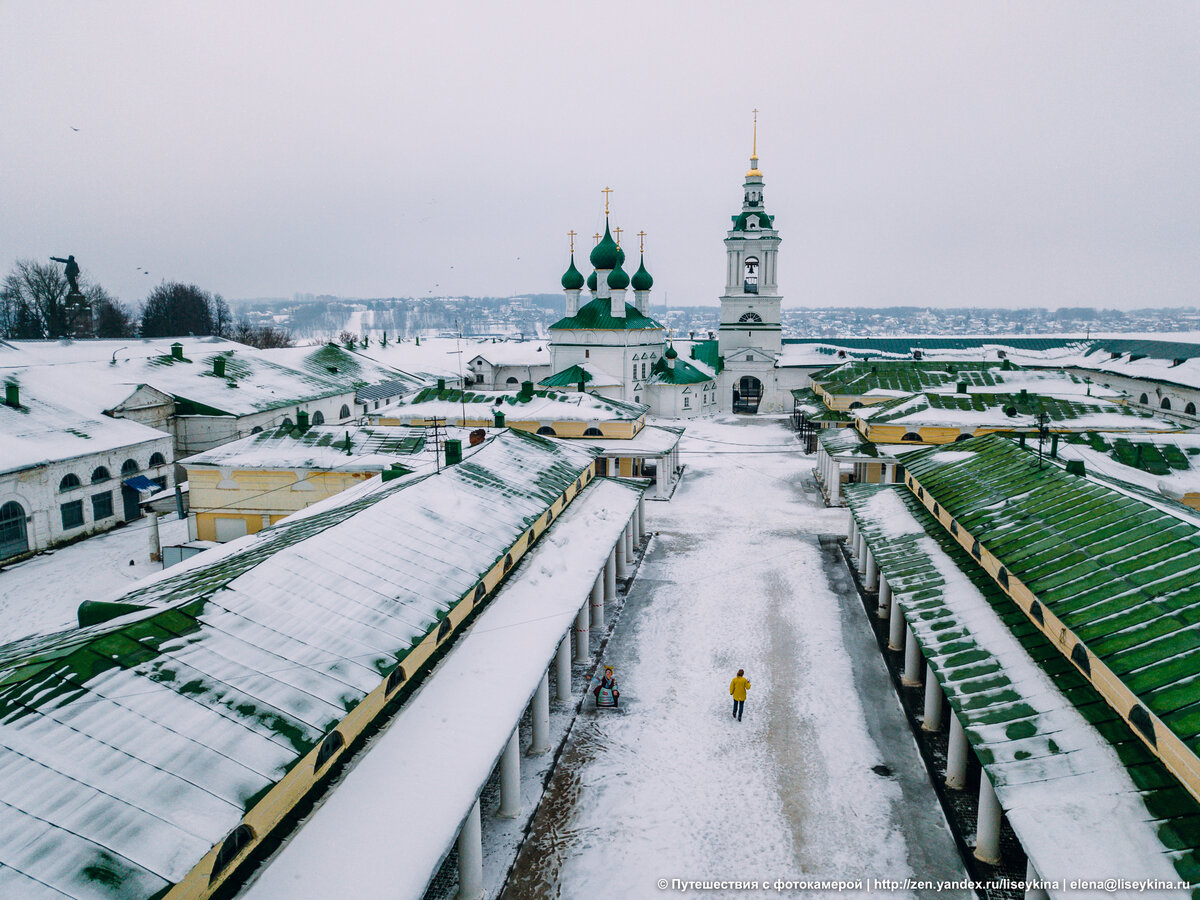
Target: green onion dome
{"points": [[617, 279], [572, 280], [605, 254], [591, 282], [641, 278], [620, 256], [671, 354]]}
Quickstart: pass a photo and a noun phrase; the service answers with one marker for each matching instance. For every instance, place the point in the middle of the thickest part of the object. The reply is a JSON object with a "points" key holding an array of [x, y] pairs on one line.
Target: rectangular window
{"points": [[587, 354], [72, 514], [643, 370], [102, 505]]}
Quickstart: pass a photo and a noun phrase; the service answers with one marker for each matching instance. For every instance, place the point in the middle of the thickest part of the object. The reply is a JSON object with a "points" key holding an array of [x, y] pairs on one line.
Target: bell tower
{"points": [[750, 304]]}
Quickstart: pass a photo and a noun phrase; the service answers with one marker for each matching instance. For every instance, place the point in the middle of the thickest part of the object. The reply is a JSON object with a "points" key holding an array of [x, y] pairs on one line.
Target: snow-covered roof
{"points": [[509, 353], [1167, 464], [450, 357], [884, 378], [652, 440], [321, 447], [1011, 411], [42, 431], [99, 375], [458, 407], [129, 749], [462, 718], [1073, 780], [1177, 370]]}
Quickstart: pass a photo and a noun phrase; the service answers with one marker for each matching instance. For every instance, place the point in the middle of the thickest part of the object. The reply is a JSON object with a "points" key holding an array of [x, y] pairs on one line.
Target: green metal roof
{"points": [[683, 373], [569, 377], [806, 400], [1014, 726], [765, 222], [1122, 573], [572, 280], [618, 279], [596, 315], [905, 345], [859, 377], [130, 748], [709, 353], [1155, 454], [1007, 410], [641, 278], [847, 442]]}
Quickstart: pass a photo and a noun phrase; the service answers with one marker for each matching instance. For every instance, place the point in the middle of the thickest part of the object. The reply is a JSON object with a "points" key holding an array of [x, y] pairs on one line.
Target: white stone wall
{"points": [[37, 490], [195, 434], [1155, 392]]}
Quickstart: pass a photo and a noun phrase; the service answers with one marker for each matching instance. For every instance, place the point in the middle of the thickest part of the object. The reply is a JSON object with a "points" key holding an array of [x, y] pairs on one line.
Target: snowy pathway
{"points": [[672, 787]]}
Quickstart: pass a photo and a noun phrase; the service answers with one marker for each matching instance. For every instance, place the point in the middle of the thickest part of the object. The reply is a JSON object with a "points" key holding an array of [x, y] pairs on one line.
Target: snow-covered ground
{"points": [[671, 786], [42, 594]]}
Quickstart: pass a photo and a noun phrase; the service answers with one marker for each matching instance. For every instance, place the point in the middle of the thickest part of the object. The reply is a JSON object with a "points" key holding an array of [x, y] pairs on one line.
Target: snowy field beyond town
{"points": [[671, 786], [41, 595]]}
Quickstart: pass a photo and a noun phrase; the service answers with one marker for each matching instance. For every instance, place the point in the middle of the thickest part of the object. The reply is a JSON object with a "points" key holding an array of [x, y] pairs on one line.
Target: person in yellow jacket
{"points": [[738, 688]]}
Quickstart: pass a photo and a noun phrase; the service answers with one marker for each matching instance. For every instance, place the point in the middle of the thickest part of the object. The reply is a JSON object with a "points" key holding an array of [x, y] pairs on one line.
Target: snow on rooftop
{"points": [[545, 405], [461, 718], [164, 725], [321, 447]]}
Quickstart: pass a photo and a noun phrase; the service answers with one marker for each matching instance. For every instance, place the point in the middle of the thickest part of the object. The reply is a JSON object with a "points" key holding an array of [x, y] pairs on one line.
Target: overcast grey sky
{"points": [[1015, 153]]}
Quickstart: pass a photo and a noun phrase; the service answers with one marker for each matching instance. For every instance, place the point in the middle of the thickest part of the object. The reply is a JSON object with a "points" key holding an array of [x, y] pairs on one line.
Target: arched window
{"points": [[14, 538], [130, 467], [1140, 719], [546, 430], [1190, 409], [855, 405], [976, 550], [965, 436], [328, 748], [1144, 399], [396, 679], [1080, 658], [507, 561], [257, 429], [511, 381], [157, 459], [345, 412], [238, 839], [593, 432], [750, 317], [288, 423], [100, 475], [480, 592], [444, 630], [319, 417], [1002, 576], [69, 482], [1166, 403], [1035, 610], [750, 270], [911, 436]]}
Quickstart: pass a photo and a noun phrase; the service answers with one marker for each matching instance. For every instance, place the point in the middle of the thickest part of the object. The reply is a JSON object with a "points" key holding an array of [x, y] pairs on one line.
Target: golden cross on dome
{"points": [[754, 152], [606, 192], [596, 237], [618, 231], [572, 235], [641, 242]]}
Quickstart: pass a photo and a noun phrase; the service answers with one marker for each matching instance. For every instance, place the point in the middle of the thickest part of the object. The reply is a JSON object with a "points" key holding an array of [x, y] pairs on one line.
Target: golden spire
{"points": [[641, 242], [571, 233], [754, 171], [618, 231], [606, 192]]}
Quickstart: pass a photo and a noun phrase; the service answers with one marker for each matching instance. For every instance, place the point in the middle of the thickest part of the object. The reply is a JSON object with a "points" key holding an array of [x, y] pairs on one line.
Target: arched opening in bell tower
{"points": [[750, 275]]}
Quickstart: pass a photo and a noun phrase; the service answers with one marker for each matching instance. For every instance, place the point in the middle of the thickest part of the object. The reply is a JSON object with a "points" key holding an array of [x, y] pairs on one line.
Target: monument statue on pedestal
{"points": [[72, 273]]}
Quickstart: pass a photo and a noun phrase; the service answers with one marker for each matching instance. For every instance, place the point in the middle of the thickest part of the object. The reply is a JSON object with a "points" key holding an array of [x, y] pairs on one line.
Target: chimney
{"points": [[453, 451], [1075, 467], [177, 350], [499, 416], [1054, 446], [219, 366], [526, 392], [962, 387], [12, 395], [302, 420], [441, 384]]}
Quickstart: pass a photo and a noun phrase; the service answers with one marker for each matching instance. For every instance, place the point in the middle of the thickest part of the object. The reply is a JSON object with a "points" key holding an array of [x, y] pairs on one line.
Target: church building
{"points": [[613, 348]]}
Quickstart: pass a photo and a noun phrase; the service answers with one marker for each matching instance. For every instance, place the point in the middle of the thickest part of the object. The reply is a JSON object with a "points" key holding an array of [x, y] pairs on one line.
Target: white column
{"points": [[872, 580], [597, 601], [861, 553], [622, 561], [541, 717], [629, 541], [470, 857], [510, 777], [660, 478], [987, 827], [895, 628], [912, 660], [852, 540], [956, 755], [642, 518], [562, 673], [884, 608], [933, 702], [835, 485], [889, 472], [582, 641], [610, 576], [1031, 875]]}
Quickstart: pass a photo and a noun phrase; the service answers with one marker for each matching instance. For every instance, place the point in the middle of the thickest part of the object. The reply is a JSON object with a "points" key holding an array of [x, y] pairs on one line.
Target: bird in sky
{"points": [[73, 128]]}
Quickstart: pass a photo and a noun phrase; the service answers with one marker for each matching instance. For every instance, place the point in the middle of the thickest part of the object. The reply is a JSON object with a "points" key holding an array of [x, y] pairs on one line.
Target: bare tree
{"points": [[32, 302], [221, 315], [177, 309], [113, 318], [265, 337]]}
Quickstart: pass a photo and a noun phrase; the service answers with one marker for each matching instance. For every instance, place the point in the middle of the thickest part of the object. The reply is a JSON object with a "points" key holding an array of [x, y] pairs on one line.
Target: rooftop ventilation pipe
{"points": [[441, 384], [962, 387], [526, 393], [1075, 467], [302, 420], [219, 366], [453, 451], [499, 419], [395, 471], [1054, 447], [177, 350], [12, 395]]}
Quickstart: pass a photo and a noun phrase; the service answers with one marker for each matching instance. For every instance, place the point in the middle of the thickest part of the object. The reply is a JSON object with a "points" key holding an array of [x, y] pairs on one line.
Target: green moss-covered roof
{"points": [[1154, 454], [1122, 573], [596, 315], [1015, 410]]}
